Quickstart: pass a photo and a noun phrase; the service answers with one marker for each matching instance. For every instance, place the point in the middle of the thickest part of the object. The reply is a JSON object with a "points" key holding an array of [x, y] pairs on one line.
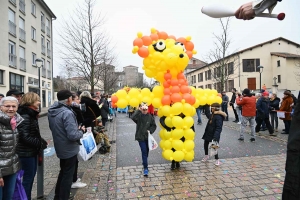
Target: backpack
{"points": [[103, 149]]}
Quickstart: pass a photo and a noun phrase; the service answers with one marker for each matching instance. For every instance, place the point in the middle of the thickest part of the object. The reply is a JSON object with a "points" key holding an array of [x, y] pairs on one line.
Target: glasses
{"points": [[7, 106], [144, 109]]}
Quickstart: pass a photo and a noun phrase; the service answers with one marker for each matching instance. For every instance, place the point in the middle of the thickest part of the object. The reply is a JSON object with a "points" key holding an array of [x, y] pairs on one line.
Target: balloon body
{"points": [[168, 154], [177, 134], [177, 145], [189, 134], [177, 122], [189, 156], [178, 156], [189, 145]]}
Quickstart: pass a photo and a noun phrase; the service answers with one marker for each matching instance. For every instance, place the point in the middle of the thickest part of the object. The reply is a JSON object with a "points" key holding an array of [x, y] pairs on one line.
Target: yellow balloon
{"points": [[187, 109], [134, 102], [194, 90], [203, 101], [196, 104], [159, 113], [147, 99], [193, 111], [149, 73], [177, 145], [168, 154], [122, 103], [211, 100], [178, 156], [214, 92], [161, 134], [177, 121], [145, 92], [167, 134], [168, 122], [176, 108], [156, 102], [133, 93], [189, 156], [121, 94], [189, 145], [188, 122], [161, 144], [177, 134], [218, 99], [158, 91], [189, 134], [168, 144], [166, 110]]}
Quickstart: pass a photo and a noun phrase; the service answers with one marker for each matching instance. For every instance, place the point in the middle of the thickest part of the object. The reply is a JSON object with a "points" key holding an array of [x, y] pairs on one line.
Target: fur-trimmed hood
{"points": [[219, 112]]}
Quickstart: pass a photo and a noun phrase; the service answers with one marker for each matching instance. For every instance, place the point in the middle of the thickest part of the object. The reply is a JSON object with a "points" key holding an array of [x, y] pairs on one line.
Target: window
{"points": [[22, 6], [22, 58], [43, 45], [49, 70], [33, 33], [200, 77], [208, 86], [12, 22], [279, 78], [250, 65], [22, 29], [11, 15], [43, 68], [230, 68], [43, 22], [12, 54], [217, 72], [209, 75], [200, 86], [33, 8], [48, 48], [230, 84], [16, 82], [278, 63], [48, 26], [33, 59], [1, 77]]}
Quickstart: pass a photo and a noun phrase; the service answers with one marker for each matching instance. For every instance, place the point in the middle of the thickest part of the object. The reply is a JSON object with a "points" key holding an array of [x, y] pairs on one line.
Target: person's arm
{"points": [[259, 106], [152, 125], [71, 126], [240, 101], [251, 9], [136, 115], [218, 128]]}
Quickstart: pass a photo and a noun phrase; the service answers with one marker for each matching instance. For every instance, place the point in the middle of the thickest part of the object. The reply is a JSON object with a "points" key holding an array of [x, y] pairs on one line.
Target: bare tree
{"points": [[85, 44], [108, 76], [223, 64]]}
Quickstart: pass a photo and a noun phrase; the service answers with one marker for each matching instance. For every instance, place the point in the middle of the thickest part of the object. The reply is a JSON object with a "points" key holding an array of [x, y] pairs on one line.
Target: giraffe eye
{"points": [[159, 46], [180, 44]]}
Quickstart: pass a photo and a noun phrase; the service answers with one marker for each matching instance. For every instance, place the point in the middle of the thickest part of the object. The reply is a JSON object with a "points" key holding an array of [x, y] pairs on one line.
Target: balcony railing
{"points": [[44, 72], [22, 6], [49, 75], [49, 53], [48, 31], [22, 64], [22, 35], [43, 26], [43, 49], [12, 28], [13, 1], [12, 60]]}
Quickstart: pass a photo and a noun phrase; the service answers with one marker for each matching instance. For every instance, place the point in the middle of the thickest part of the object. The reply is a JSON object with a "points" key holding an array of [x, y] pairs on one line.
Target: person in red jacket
{"points": [[248, 103], [151, 109]]}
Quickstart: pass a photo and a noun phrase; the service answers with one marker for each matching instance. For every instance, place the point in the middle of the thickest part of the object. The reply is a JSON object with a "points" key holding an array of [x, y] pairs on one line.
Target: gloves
{"points": [[44, 144]]}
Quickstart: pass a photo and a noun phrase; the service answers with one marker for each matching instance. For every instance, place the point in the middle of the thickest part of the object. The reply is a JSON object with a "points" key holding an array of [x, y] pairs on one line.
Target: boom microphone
{"points": [[220, 11]]}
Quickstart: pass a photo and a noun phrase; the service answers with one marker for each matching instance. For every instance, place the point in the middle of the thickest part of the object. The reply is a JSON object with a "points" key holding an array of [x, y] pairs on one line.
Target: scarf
{"points": [[13, 123]]}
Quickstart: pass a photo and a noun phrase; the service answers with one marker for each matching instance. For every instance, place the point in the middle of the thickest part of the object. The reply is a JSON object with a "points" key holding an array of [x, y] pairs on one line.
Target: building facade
{"points": [[26, 35], [279, 61], [130, 77]]}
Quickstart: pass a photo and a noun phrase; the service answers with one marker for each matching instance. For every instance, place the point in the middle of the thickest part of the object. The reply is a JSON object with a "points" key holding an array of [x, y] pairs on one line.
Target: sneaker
{"points": [[78, 184], [239, 123], [177, 165], [206, 157], [217, 162], [145, 172], [235, 121], [252, 140], [241, 139]]}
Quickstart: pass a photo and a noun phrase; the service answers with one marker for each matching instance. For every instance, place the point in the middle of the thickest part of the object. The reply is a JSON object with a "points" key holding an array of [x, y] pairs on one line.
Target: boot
{"points": [[173, 165], [177, 165]]}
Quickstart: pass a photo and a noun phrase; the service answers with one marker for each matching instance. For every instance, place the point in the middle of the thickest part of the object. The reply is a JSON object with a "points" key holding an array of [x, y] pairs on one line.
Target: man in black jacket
{"points": [[231, 103]]}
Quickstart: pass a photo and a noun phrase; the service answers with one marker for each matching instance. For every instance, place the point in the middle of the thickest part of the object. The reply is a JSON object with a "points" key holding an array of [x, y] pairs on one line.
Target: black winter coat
{"points": [[262, 108], [92, 111], [30, 140], [214, 126], [79, 116], [144, 123], [291, 187], [104, 109], [274, 104]]}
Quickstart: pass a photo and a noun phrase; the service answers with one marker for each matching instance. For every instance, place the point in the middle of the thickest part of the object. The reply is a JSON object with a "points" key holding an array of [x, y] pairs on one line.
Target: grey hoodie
{"points": [[64, 128]]}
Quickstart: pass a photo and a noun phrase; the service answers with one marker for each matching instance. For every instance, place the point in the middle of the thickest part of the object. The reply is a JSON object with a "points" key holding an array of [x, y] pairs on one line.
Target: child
{"points": [[213, 129], [101, 135]]}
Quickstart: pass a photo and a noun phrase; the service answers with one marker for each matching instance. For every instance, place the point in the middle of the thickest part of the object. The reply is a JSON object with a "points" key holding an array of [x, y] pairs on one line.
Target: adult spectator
{"points": [[198, 111], [9, 164], [232, 104], [92, 109], [294, 99], [104, 110], [248, 103], [249, 10], [291, 187], [144, 123], [262, 113], [274, 106], [225, 100], [15, 93], [1, 96], [66, 133], [30, 144], [238, 107], [286, 106]]}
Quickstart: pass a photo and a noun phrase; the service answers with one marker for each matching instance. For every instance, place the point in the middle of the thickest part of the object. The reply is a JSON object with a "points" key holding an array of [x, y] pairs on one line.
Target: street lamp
{"points": [[40, 168], [261, 68]]}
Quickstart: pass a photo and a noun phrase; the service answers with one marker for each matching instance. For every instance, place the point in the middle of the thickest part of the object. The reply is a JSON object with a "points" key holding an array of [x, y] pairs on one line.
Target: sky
{"points": [[179, 18]]}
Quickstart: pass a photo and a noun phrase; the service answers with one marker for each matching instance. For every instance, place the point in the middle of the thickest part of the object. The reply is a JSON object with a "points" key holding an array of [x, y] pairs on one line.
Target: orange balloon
{"points": [[186, 97], [166, 100], [166, 84], [114, 105], [167, 91], [181, 82], [189, 46], [114, 99], [172, 37], [167, 76], [219, 94], [147, 40], [184, 89], [181, 40], [143, 52], [190, 54], [192, 100], [154, 36], [174, 82], [176, 97], [180, 76], [175, 89], [138, 42], [162, 35]]}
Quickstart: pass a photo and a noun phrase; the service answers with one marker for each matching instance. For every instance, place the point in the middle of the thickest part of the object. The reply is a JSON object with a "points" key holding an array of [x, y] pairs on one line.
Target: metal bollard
{"points": [[40, 176]]}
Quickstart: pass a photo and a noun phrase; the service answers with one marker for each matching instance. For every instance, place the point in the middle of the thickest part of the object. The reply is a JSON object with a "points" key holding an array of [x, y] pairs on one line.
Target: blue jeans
{"points": [[7, 191], [65, 178], [198, 110], [225, 110], [29, 165], [145, 153]]}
